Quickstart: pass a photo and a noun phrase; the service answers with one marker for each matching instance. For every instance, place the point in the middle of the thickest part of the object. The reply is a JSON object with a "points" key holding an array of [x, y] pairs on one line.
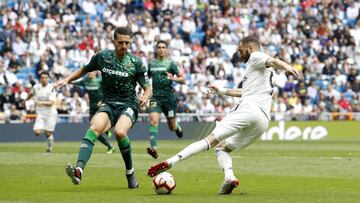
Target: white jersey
{"points": [[257, 83], [46, 93]]}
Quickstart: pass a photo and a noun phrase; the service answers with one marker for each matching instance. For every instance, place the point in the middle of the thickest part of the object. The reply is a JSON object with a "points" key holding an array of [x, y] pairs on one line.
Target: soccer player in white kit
{"points": [[246, 122], [45, 96]]}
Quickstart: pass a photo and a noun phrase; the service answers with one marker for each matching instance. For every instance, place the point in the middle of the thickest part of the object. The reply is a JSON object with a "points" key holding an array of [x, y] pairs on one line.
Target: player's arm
{"points": [[143, 80], [73, 76], [174, 71], [91, 66], [45, 103], [179, 78], [147, 94], [213, 89], [279, 64]]}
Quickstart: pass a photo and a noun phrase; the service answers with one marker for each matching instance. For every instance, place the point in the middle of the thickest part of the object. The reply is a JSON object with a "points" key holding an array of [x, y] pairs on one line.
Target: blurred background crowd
{"points": [[320, 38]]}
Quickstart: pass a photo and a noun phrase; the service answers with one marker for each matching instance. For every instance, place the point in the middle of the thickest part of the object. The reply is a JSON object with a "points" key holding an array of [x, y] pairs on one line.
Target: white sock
{"points": [[50, 141], [190, 150], [128, 172], [225, 163]]}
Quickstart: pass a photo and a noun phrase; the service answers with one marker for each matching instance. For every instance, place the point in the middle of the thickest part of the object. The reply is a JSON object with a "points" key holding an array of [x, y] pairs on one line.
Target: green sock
{"points": [[125, 149], [153, 136], [103, 140], [86, 148]]}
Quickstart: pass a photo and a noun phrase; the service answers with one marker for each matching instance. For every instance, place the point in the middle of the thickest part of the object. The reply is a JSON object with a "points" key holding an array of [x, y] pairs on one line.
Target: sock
{"points": [[86, 148], [190, 150], [103, 140], [153, 136], [50, 142], [225, 163], [178, 128], [125, 149]]}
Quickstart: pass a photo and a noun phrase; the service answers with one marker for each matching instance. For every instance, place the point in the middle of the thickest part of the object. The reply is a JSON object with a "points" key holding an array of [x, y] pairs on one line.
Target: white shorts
{"points": [[45, 122], [242, 126]]}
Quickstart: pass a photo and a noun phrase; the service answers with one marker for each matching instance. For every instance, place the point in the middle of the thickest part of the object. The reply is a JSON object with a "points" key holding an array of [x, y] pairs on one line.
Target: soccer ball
{"points": [[163, 183]]}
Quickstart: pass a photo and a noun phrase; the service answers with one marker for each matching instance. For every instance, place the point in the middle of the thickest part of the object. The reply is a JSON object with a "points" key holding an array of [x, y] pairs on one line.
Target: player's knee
{"points": [[48, 133], [37, 132], [222, 147], [95, 129], [120, 133], [212, 140], [154, 122]]}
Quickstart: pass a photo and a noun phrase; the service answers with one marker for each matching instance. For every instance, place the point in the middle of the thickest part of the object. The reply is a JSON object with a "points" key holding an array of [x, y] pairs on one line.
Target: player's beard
{"points": [[245, 57]]}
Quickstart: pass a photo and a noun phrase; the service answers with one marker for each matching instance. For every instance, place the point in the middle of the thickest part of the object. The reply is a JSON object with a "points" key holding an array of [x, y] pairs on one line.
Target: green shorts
{"points": [[92, 111], [166, 105], [114, 111]]}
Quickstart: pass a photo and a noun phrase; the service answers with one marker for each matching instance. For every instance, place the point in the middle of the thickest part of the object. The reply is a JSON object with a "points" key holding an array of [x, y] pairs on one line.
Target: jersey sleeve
{"points": [[141, 74], [79, 82], [93, 64], [258, 60], [174, 69]]}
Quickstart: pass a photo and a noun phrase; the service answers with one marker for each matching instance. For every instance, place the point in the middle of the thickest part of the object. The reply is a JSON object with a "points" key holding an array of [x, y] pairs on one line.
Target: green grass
{"points": [[322, 171]]}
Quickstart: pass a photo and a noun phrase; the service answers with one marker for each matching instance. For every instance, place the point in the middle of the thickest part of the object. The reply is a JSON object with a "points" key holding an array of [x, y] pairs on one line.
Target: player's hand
{"points": [[213, 89], [61, 83], [295, 73], [170, 76], [143, 100]]}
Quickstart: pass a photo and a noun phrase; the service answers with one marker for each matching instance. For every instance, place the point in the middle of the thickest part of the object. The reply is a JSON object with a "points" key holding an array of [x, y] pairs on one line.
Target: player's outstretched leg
{"points": [[190, 150], [225, 162]]}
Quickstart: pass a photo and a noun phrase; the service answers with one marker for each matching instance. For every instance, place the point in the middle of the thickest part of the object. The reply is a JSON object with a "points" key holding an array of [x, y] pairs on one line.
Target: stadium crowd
{"points": [[320, 38]]}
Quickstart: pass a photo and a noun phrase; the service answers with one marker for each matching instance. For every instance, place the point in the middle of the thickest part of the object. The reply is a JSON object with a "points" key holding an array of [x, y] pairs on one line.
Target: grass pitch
{"points": [[297, 171]]}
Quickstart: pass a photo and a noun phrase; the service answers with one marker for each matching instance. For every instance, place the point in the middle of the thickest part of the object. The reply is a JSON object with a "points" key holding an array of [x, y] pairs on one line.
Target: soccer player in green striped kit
{"points": [[120, 71], [163, 71], [92, 85]]}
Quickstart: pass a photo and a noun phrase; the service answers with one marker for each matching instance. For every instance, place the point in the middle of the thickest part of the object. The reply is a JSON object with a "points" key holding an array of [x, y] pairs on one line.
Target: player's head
{"points": [[246, 46], [122, 40], [44, 78], [161, 47]]}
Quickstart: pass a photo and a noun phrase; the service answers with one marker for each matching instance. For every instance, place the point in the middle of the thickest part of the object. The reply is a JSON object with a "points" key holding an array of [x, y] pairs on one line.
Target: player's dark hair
{"points": [[251, 40], [44, 73], [122, 31], [162, 42]]}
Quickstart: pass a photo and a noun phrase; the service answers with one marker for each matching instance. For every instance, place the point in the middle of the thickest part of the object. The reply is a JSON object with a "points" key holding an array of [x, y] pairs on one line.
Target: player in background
{"points": [[46, 113], [246, 122], [120, 71], [163, 71], [92, 85]]}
